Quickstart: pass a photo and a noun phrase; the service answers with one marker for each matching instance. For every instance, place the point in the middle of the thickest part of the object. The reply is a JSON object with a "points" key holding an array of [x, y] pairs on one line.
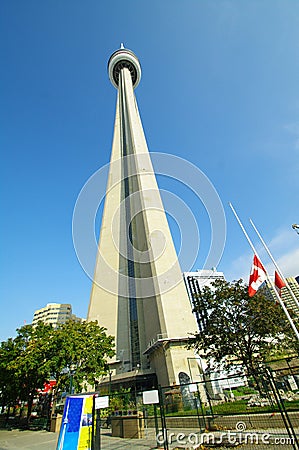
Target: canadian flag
{"points": [[279, 283], [257, 276]]}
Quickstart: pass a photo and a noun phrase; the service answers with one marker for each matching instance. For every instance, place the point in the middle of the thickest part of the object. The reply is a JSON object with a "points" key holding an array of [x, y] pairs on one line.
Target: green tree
{"points": [[79, 355], [24, 368], [9, 389], [41, 352], [291, 343], [236, 328]]}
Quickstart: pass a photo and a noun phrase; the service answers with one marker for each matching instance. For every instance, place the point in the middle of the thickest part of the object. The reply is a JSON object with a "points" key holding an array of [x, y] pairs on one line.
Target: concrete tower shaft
{"points": [[138, 292]]}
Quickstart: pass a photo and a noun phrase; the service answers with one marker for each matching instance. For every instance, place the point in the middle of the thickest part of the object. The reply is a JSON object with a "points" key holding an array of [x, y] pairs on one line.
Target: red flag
{"points": [[279, 283], [257, 276]]}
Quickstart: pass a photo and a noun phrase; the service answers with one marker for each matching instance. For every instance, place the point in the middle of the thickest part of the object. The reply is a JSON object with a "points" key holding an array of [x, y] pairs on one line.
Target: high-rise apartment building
{"points": [[195, 282], [55, 314], [288, 299], [200, 278]]}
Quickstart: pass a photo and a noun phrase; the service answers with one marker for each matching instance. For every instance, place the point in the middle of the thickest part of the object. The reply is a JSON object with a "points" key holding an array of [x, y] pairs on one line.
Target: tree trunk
{"points": [[21, 410], [7, 413], [30, 403], [54, 401], [255, 375]]}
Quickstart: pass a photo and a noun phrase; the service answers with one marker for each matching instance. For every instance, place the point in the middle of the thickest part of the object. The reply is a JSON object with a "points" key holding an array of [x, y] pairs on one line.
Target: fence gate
{"points": [[234, 410]]}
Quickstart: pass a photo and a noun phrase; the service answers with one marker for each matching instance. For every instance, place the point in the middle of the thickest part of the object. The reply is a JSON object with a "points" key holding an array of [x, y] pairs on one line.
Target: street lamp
{"points": [[295, 226], [110, 375], [72, 371]]}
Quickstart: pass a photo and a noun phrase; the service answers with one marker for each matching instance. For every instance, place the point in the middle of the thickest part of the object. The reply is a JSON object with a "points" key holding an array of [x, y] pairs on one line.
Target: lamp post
{"points": [[295, 226], [113, 365], [109, 387], [71, 383], [71, 371]]}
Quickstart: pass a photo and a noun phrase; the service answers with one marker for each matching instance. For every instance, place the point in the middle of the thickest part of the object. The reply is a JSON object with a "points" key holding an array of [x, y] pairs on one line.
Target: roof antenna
{"points": [[122, 45]]}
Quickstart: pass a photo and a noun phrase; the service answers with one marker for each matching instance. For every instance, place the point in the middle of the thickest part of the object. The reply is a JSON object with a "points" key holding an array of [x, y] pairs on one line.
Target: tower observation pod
{"points": [[138, 292], [124, 58]]}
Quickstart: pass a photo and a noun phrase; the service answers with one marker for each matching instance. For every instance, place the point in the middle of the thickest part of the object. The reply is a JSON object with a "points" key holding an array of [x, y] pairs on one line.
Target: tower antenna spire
{"points": [[122, 45]]}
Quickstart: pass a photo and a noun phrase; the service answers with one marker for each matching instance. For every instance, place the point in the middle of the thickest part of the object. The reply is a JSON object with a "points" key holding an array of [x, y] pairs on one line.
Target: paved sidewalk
{"points": [[27, 440], [45, 440]]}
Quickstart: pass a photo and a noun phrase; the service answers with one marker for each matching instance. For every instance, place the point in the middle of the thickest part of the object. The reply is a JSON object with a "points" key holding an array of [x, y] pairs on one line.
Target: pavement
{"points": [[45, 440], [29, 440]]}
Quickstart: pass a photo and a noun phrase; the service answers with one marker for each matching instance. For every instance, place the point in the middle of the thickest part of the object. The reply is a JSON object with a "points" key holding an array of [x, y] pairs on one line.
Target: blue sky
{"points": [[219, 88]]}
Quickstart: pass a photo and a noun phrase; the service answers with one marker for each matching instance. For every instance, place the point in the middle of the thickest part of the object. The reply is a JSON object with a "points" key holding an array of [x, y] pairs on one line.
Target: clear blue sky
{"points": [[219, 88]]}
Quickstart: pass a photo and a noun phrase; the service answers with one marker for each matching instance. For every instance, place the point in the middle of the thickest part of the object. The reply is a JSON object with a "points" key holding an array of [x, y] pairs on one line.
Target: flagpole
{"points": [[275, 264], [243, 229], [270, 281]]}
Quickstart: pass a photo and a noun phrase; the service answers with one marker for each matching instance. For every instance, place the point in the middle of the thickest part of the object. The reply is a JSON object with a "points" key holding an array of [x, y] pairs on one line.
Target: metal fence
{"points": [[259, 410], [216, 412]]}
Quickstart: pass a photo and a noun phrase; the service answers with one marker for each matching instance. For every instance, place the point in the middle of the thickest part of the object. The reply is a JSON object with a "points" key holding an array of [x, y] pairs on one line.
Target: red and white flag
{"points": [[279, 283], [257, 276]]}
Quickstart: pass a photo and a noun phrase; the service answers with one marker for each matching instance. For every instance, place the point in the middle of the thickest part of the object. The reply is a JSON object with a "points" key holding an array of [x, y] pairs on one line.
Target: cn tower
{"points": [[138, 292]]}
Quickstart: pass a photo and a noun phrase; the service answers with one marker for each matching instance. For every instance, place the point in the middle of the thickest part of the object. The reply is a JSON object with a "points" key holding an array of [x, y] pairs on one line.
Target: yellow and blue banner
{"points": [[76, 426]]}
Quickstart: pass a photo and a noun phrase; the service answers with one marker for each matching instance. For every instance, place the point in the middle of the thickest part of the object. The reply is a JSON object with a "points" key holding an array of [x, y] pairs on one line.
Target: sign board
{"points": [[101, 402], [150, 397], [76, 426]]}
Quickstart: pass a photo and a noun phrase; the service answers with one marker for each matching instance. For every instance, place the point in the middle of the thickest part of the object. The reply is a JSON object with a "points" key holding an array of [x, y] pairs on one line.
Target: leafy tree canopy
{"points": [[39, 353], [236, 328], [23, 363], [80, 349]]}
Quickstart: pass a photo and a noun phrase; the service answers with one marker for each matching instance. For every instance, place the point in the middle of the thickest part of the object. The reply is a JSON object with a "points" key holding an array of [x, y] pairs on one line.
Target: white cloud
{"points": [[282, 239], [289, 263], [293, 128], [239, 268]]}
